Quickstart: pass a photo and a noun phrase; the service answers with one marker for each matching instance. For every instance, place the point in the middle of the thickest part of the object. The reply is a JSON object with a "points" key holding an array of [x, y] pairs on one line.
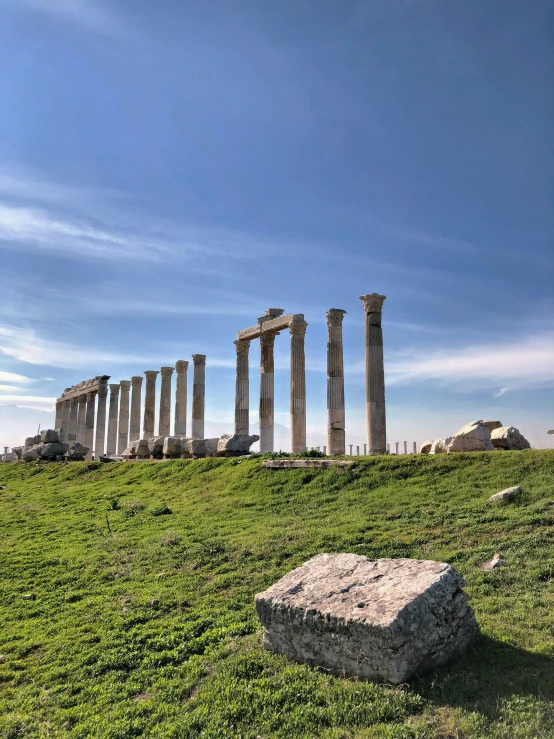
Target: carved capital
{"points": [[199, 359], [181, 366], [334, 317], [151, 375], [373, 302], [268, 338], [125, 385], [298, 328], [166, 372], [136, 381], [242, 345], [114, 388]]}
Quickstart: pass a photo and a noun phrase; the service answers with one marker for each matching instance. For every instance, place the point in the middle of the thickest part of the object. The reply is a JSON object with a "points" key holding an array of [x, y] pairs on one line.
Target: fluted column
{"points": [[134, 423], [111, 444], [242, 388], [375, 373], [267, 391], [81, 417], [72, 431], [89, 423], [198, 395], [164, 420], [59, 414], [100, 438], [149, 404], [181, 368], [123, 429], [297, 387], [335, 383], [65, 419]]}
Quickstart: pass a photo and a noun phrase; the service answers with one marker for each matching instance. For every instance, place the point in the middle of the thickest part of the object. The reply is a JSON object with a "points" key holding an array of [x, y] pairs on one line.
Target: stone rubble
{"points": [[505, 494], [478, 436], [508, 437]]}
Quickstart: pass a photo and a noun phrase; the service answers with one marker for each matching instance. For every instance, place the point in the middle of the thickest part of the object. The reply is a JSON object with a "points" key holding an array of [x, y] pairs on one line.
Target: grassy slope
{"points": [[150, 630]]}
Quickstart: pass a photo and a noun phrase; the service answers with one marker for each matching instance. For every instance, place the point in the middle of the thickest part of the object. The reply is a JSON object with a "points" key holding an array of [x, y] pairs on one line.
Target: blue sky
{"points": [[168, 171]]}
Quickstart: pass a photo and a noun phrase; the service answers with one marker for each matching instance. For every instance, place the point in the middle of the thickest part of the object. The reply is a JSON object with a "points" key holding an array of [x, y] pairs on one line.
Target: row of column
{"points": [[77, 416]]}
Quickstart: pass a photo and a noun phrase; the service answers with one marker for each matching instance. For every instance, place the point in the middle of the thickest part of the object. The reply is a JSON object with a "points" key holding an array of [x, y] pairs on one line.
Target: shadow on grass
{"points": [[488, 672]]}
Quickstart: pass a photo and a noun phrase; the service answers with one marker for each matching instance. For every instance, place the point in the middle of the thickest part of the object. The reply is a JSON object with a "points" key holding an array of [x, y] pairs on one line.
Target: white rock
{"points": [[202, 447], [236, 443], [49, 436], [425, 448], [156, 445], [172, 446], [508, 437], [473, 437], [491, 425], [30, 441], [440, 445], [492, 564], [30, 454], [137, 449], [505, 494], [374, 619]]}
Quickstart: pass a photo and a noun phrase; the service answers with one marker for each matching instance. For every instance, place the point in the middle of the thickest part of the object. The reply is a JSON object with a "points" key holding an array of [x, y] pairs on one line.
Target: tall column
{"points": [[100, 439], [164, 420], [297, 387], [267, 391], [242, 388], [181, 367], [149, 404], [81, 417], [89, 423], [111, 444], [198, 395], [59, 414], [335, 383], [375, 373], [123, 430], [72, 431], [65, 418], [134, 424]]}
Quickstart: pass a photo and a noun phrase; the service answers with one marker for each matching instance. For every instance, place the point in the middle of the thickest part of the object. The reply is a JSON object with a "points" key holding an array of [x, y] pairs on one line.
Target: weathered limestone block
{"points": [[18, 451], [439, 446], [473, 437], [137, 449], [236, 444], [492, 425], [29, 441], [76, 452], [30, 454], [36, 439], [508, 437], [51, 450], [172, 446], [381, 619], [201, 447], [156, 446], [49, 436], [505, 494], [425, 448]]}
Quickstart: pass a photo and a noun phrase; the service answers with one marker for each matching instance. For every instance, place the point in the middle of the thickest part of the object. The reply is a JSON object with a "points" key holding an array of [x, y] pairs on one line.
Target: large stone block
{"points": [[235, 444], [156, 446], [508, 437], [383, 619], [51, 450], [172, 446], [49, 436], [137, 449], [492, 425], [30, 454], [473, 437], [202, 447], [30, 441]]}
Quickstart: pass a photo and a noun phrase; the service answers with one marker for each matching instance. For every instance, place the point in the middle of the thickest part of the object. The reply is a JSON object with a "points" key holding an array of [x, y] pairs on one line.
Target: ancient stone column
{"points": [[65, 418], [242, 391], [335, 382], [181, 398], [111, 444], [164, 420], [149, 404], [59, 415], [375, 373], [134, 423], [89, 423], [267, 391], [81, 417], [198, 395], [72, 431], [123, 430], [100, 438], [297, 387], [415, 448]]}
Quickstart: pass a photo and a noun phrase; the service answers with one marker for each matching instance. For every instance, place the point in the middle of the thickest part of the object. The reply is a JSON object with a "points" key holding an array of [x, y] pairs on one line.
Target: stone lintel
{"points": [[272, 325], [86, 386]]}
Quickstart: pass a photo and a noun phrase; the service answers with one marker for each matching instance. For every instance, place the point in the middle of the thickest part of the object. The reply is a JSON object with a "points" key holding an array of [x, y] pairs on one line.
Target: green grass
{"points": [[143, 576]]}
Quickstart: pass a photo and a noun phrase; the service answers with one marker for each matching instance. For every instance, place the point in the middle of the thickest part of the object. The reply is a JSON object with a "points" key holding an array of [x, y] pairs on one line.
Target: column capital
{"points": [[199, 359], [91, 396], [270, 314], [298, 328], [125, 384], [334, 317], [151, 374], [181, 366], [166, 371], [267, 338], [102, 391], [114, 388], [242, 345], [136, 381], [373, 302]]}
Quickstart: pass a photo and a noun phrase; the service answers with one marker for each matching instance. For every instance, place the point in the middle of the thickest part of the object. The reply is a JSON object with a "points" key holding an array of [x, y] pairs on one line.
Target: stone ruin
{"points": [[478, 436], [49, 446], [183, 447]]}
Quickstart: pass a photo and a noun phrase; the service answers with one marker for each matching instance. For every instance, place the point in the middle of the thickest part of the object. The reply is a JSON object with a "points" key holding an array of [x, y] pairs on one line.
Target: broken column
{"points": [[149, 404], [123, 430], [297, 387], [164, 420], [335, 383], [89, 423], [111, 444], [242, 388], [134, 422], [198, 395], [267, 390], [375, 374], [99, 442], [181, 367]]}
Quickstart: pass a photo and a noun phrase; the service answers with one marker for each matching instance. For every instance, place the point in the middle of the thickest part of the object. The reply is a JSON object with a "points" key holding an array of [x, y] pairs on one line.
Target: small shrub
{"points": [[113, 504], [131, 508], [170, 539], [311, 454], [162, 510]]}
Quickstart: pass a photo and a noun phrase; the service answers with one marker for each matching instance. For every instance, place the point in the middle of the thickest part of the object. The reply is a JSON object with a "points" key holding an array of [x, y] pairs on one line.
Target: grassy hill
{"points": [[118, 619]]}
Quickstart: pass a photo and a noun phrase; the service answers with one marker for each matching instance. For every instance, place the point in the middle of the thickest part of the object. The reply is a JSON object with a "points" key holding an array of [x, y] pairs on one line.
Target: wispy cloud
{"points": [[28, 401], [83, 12], [500, 392], [14, 377]]}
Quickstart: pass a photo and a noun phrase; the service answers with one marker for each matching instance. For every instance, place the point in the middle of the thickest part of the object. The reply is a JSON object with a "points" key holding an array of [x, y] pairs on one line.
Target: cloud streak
{"points": [[82, 12]]}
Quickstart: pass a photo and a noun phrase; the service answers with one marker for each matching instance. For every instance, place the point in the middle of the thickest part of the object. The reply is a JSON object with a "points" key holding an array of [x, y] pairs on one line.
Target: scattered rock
{"points": [[143, 696], [440, 445], [425, 448], [51, 450], [49, 436], [29, 596], [202, 447], [492, 564], [156, 446], [473, 437], [30, 455], [172, 446], [505, 494], [508, 437], [235, 444], [374, 619], [492, 425]]}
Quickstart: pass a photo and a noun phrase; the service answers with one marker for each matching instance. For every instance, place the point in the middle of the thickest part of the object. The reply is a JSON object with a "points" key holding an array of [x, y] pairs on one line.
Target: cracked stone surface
{"points": [[382, 620]]}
